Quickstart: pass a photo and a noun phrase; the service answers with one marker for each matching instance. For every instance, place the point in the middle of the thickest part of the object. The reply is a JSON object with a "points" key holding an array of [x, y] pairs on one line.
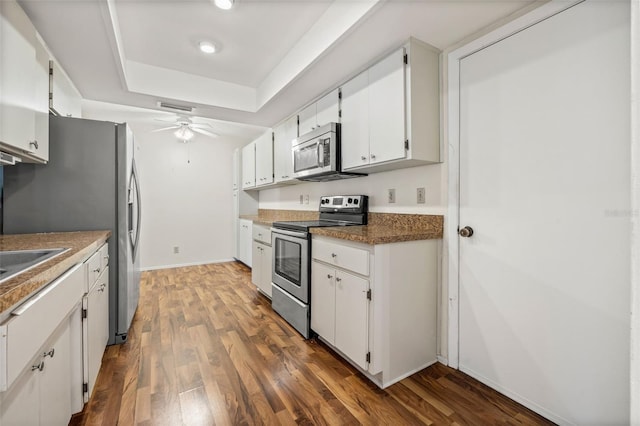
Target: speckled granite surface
{"points": [[383, 228], [81, 245], [386, 228]]}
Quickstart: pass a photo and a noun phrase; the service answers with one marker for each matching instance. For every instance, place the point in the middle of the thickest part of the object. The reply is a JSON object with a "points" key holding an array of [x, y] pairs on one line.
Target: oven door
{"points": [[290, 262]]}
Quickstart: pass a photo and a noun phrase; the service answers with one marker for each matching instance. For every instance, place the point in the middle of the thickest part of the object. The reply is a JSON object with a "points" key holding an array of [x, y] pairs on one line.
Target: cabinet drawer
{"points": [[31, 324], [95, 265], [343, 256], [262, 234]]}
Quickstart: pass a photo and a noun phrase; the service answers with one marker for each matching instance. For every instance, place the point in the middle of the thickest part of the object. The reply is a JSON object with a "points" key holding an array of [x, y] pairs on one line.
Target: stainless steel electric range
{"points": [[291, 262]]}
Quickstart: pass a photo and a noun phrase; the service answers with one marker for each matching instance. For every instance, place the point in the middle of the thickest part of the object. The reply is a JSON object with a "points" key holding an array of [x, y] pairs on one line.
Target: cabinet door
{"points": [[352, 318], [323, 302], [17, 116], [355, 122], [249, 166], [245, 242], [265, 281], [283, 135], [97, 328], [387, 109], [235, 169], [20, 402], [65, 100], [55, 383], [41, 103], [307, 119], [264, 159], [256, 270], [328, 109]]}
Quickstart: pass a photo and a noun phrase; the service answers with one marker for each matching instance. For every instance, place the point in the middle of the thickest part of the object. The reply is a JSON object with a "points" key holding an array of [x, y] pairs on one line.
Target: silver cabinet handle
{"points": [[338, 279], [373, 156], [34, 143], [329, 276], [50, 353], [334, 255], [363, 158], [97, 270], [39, 366]]}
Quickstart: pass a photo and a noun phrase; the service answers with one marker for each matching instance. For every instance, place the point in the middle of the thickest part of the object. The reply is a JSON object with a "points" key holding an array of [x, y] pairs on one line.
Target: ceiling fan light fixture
{"points": [[207, 47], [184, 133], [224, 4]]}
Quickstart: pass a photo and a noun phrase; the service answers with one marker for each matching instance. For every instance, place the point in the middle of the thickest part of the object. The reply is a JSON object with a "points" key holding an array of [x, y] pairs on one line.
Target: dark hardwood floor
{"points": [[205, 348]]}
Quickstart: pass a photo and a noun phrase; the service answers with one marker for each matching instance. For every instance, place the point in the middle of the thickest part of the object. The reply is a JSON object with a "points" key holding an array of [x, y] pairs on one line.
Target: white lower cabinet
{"points": [[261, 259], [376, 304], [95, 330], [39, 341], [43, 394], [244, 241], [50, 342]]}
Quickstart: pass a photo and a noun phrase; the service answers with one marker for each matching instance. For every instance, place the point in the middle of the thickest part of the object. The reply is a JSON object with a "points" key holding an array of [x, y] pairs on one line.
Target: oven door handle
{"points": [[289, 233]]}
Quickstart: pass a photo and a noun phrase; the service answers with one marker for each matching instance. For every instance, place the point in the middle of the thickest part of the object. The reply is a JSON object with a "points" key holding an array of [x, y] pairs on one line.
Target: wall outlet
{"points": [[176, 249], [306, 199], [301, 198], [391, 196], [420, 196]]}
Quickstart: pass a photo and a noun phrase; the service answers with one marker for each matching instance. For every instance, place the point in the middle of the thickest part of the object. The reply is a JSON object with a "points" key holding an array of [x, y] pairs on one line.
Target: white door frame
{"points": [[635, 213], [453, 128]]}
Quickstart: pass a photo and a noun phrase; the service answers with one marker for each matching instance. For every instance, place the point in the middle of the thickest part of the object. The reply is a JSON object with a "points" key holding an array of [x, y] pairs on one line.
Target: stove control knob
{"points": [[355, 201], [349, 200]]}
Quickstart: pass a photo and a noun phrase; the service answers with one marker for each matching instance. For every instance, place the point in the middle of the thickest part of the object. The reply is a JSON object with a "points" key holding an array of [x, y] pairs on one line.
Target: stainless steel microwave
{"points": [[316, 155]]}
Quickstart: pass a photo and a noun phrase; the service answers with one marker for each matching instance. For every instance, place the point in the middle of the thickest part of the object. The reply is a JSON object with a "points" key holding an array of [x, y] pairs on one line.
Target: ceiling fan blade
{"points": [[165, 128], [204, 132]]}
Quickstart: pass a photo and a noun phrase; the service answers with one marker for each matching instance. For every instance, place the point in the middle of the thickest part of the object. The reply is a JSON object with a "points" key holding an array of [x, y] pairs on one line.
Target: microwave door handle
{"points": [[320, 147]]}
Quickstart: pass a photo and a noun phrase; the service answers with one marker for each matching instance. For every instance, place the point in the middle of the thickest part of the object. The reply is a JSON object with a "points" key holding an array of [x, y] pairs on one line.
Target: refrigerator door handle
{"points": [[134, 232]]}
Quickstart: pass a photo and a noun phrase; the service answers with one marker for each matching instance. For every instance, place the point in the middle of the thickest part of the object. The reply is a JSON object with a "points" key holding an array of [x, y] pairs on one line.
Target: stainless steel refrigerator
{"points": [[89, 183]]}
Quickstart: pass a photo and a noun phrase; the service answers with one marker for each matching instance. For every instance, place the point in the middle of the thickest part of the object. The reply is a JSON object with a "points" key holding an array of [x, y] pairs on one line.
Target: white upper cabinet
{"points": [[249, 166], [325, 110], [264, 159], [64, 99], [21, 78], [41, 103], [355, 122], [391, 112], [283, 135], [387, 109]]}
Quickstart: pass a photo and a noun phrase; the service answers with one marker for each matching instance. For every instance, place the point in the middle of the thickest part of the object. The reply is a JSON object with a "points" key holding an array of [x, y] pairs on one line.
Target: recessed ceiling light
{"points": [[207, 47], [224, 4]]}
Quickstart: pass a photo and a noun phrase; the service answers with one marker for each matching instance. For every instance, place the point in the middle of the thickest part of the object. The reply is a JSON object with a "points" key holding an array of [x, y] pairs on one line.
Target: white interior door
{"points": [[545, 184]]}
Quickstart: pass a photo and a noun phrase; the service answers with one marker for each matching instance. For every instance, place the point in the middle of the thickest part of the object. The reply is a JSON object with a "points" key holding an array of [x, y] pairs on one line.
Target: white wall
{"points": [[404, 181], [186, 199], [186, 189]]}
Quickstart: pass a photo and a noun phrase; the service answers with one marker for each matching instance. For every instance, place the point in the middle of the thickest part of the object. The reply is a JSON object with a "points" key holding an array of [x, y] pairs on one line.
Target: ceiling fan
{"points": [[185, 129]]}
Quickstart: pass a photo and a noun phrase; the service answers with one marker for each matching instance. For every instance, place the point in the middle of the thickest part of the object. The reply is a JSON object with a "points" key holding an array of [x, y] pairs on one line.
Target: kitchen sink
{"points": [[15, 262]]}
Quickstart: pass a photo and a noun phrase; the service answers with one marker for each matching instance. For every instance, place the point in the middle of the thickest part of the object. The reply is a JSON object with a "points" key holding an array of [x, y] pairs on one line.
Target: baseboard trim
{"points": [[182, 265]]}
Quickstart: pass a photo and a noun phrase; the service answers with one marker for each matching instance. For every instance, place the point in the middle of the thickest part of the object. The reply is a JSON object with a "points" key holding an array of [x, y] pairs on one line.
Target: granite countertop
{"points": [[21, 286], [382, 228], [377, 234]]}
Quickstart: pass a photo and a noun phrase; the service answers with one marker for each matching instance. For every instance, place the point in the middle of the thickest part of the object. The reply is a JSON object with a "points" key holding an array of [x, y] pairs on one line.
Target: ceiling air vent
{"points": [[174, 107]]}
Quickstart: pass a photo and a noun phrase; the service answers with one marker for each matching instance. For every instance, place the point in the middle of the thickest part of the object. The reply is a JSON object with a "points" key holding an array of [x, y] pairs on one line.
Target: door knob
{"points": [[466, 232]]}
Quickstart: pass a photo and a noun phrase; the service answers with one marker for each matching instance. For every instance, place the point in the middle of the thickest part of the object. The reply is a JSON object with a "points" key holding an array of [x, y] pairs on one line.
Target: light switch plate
{"points": [[420, 196]]}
